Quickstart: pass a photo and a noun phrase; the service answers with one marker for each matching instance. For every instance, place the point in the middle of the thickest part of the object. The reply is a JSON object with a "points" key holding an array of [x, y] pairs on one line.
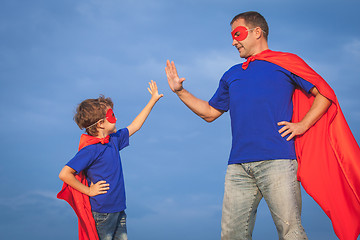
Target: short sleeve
{"points": [[302, 83], [83, 159], [221, 99], [121, 138]]}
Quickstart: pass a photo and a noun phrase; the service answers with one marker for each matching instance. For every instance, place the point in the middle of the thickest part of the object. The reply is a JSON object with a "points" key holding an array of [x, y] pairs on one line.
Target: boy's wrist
{"points": [[90, 192], [154, 99]]}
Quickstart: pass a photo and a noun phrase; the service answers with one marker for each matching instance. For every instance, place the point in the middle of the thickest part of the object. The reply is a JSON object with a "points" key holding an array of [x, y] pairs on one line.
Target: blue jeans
{"points": [[111, 226], [246, 184]]}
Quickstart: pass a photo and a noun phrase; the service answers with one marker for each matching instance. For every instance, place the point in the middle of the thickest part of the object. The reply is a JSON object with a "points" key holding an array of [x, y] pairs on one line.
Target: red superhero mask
{"points": [[110, 116], [240, 33]]}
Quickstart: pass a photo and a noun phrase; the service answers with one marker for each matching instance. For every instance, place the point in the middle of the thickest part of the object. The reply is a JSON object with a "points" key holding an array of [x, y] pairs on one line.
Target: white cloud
{"points": [[352, 48], [38, 198]]}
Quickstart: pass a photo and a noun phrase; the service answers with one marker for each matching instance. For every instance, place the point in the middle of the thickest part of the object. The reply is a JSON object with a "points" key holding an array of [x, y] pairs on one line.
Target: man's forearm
{"points": [[198, 106], [317, 110], [319, 106]]}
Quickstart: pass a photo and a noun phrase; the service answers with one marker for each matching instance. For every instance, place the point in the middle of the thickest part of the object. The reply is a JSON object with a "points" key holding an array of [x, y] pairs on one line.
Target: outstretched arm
{"points": [[140, 119], [198, 106], [318, 108], [67, 175]]}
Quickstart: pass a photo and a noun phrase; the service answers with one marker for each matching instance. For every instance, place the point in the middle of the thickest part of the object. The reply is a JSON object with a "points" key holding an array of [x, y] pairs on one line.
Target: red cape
{"points": [[79, 201], [328, 154]]}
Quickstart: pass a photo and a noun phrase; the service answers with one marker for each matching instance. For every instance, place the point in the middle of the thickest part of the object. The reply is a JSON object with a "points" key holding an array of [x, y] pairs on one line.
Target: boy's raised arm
{"points": [[140, 119], [67, 175]]}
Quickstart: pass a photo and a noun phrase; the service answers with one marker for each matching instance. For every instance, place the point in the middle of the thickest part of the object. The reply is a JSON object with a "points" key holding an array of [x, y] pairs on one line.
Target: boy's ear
{"points": [[100, 124]]}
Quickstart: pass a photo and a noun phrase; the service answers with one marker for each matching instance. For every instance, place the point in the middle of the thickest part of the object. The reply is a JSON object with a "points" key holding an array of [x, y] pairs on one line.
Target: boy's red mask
{"points": [[241, 33], [110, 116]]}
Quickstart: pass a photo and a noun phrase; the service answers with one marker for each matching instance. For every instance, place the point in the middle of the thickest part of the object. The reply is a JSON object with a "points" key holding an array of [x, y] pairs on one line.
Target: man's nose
{"points": [[234, 42]]}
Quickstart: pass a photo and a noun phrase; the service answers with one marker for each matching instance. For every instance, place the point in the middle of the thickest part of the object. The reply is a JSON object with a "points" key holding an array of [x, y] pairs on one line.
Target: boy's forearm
{"points": [[70, 179], [140, 119]]}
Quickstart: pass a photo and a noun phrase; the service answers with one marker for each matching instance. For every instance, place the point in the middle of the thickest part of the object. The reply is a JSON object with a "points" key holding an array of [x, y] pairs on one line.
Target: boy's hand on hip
{"points": [[100, 187]]}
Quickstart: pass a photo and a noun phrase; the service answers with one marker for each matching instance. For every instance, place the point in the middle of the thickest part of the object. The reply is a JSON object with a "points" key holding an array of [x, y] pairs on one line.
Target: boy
{"points": [[99, 159]]}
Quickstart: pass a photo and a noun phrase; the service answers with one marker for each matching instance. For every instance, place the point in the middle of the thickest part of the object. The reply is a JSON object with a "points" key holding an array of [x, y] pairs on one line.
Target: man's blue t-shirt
{"points": [[258, 98], [103, 162]]}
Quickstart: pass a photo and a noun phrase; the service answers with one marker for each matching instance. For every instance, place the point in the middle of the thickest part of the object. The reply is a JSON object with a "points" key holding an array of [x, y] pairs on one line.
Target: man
{"points": [[262, 161]]}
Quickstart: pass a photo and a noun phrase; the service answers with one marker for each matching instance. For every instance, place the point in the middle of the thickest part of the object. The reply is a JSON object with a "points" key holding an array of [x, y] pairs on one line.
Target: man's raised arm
{"points": [[198, 106]]}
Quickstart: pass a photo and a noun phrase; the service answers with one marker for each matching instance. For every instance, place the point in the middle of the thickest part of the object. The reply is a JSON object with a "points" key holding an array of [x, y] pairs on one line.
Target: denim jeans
{"points": [[246, 184], [111, 226]]}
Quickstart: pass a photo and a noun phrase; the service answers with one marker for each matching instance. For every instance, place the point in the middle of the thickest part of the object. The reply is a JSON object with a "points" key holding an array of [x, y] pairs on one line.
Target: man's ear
{"points": [[258, 32]]}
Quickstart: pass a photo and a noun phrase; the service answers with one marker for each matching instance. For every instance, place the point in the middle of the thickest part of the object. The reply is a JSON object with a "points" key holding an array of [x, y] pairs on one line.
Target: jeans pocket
{"points": [[100, 217]]}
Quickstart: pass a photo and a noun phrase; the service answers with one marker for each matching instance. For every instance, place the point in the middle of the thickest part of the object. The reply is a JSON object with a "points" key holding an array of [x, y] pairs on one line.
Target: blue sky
{"points": [[54, 54]]}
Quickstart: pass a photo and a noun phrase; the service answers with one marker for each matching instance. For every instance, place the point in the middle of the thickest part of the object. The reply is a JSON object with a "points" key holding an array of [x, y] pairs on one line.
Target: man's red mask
{"points": [[240, 33]]}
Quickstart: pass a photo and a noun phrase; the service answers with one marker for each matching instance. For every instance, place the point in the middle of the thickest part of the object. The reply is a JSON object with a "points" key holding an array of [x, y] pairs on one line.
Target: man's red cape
{"points": [[79, 201], [328, 154]]}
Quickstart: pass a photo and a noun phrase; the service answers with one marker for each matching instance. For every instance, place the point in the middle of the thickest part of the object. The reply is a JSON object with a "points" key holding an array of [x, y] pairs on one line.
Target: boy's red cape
{"points": [[79, 201], [328, 155]]}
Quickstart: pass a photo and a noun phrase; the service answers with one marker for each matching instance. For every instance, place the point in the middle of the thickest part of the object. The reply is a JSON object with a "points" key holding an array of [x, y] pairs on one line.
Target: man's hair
{"points": [[253, 19], [90, 111]]}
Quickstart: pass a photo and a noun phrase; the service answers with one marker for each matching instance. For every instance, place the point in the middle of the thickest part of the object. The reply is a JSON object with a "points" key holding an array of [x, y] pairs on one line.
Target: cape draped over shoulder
{"points": [[328, 154], [80, 202]]}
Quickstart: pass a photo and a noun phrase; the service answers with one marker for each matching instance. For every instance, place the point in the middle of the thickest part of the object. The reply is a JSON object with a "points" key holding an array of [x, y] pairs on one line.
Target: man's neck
{"points": [[260, 48]]}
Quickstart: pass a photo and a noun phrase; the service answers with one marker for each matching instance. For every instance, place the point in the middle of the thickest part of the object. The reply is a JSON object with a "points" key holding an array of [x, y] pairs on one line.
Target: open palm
{"points": [[174, 81]]}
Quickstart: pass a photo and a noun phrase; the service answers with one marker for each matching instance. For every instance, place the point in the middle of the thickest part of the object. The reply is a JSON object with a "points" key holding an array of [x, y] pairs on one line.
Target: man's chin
{"points": [[243, 55]]}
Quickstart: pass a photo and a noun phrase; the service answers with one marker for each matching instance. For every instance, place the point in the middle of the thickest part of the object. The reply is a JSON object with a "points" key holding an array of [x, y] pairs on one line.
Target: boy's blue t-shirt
{"points": [[258, 98], [103, 162]]}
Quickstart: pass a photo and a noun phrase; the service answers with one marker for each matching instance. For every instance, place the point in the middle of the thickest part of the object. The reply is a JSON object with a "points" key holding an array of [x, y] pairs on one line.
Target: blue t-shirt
{"points": [[258, 98], [103, 162]]}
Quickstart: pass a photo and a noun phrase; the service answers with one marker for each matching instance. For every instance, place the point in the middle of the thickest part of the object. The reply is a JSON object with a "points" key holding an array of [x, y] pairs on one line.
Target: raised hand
{"points": [[153, 90], [175, 83], [100, 187]]}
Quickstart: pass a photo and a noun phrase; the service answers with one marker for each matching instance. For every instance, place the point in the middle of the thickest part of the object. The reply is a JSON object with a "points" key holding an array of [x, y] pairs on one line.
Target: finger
{"points": [[283, 129], [173, 67], [291, 136], [167, 73], [282, 123], [101, 182], [154, 86], [286, 133], [149, 90], [168, 66]]}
